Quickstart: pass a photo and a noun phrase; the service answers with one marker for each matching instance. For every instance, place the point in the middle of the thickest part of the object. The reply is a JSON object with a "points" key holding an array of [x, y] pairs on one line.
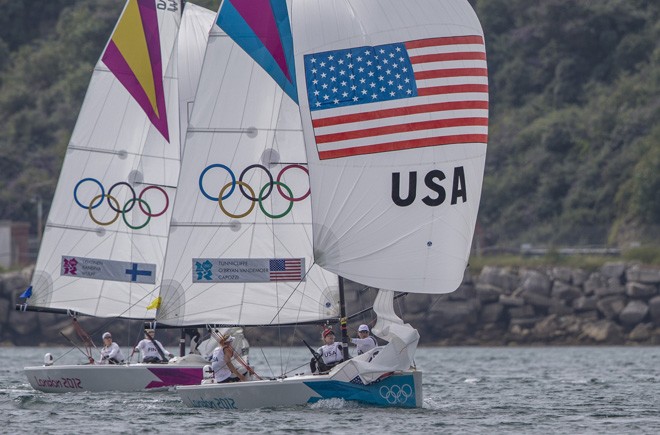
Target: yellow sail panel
{"points": [[131, 42]]}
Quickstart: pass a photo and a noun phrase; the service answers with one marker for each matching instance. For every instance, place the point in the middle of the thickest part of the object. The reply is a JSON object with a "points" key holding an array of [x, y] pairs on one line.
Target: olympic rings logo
{"points": [[114, 204], [396, 394], [249, 193]]}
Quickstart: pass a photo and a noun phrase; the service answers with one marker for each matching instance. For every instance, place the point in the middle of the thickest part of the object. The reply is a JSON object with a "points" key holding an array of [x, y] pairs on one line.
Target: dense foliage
{"points": [[574, 150]]}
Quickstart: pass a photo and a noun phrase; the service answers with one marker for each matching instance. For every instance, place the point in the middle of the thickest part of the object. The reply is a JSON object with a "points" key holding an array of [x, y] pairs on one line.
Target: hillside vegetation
{"points": [[574, 150]]}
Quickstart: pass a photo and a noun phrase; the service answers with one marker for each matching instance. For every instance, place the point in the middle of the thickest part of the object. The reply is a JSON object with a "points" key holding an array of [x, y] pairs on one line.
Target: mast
{"points": [[342, 320]]}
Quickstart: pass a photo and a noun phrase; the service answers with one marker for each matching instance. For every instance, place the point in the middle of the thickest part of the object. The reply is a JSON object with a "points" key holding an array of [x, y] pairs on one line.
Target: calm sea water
{"points": [[466, 390]]}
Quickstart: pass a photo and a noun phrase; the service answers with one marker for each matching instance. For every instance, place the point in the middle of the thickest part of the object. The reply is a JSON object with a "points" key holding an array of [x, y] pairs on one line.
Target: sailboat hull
{"points": [[125, 378], [403, 390]]}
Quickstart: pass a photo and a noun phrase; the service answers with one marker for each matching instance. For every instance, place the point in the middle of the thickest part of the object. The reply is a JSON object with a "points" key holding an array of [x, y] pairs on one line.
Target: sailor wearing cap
{"points": [[151, 350], [222, 361], [364, 342], [110, 353], [331, 353]]}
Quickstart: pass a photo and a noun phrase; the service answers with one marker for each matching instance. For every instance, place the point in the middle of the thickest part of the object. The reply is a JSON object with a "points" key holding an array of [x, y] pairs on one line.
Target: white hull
{"points": [[402, 389], [125, 377]]}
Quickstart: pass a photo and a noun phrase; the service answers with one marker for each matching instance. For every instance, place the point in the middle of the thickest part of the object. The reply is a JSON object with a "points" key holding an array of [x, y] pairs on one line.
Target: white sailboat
{"points": [[393, 98], [104, 244]]}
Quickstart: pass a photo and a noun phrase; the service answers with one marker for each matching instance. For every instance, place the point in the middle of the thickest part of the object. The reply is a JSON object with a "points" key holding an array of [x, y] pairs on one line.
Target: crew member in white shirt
{"points": [[149, 348], [111, 353], [331, 353], [364, 342]]}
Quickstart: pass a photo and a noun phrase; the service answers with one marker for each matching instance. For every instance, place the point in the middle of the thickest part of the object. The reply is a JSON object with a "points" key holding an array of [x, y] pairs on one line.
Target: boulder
{"points": [[611, 306], [527, 322], [417, 303], [584, 303], [641, 332], [536, 282], [22, 323], [654, 309], [578, 277], [521, 312], [533, 298], [504, 278], [454, 312], [603, 331], [511, 301], [613, 270], [595, 281], [548, 328], [5, 306], [633, 313], [638, 290], [488, 293], [612, 287], [643, 274], [562, 274], [565, 292], [559, 308], [491, 313]]}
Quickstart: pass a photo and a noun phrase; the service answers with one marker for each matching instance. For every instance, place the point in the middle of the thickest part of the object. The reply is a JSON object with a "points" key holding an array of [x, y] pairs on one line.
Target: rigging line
{"points": [[295, 368], [292, 293], [272, 373], [89, 358], [114, 319]]}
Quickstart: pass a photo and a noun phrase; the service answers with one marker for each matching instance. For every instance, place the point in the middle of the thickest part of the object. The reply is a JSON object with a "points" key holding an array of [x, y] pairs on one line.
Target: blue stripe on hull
{"points": [[393, 391]]}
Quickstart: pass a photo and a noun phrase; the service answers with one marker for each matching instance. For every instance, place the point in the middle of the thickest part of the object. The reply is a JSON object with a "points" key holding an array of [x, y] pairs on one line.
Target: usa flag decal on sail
{"points": [[398, 96], [286, 269]]}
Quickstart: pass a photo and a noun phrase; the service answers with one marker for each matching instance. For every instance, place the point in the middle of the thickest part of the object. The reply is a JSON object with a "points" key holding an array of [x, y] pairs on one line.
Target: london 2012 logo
{"points": [[250, 193], [118, 209], [396, 394]]}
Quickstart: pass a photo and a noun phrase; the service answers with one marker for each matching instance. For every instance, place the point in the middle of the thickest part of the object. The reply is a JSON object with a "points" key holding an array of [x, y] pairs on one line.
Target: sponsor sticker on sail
{"points": [[248, 269], [95, 268]]}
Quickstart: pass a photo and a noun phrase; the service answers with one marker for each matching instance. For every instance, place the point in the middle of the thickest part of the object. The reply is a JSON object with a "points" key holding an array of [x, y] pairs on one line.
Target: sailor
{"points": [[151, 350], [222, 361], [328, 355], [364, 342], [111, 353]]}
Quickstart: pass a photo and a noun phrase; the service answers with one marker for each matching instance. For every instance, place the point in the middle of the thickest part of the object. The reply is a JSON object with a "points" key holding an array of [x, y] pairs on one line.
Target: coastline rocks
{"points": [[618, 303]]}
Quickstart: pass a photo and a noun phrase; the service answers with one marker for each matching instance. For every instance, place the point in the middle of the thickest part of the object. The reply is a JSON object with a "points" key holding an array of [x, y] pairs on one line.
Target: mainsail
{"points": [[105, 238], [240, 244], [394, 104]]}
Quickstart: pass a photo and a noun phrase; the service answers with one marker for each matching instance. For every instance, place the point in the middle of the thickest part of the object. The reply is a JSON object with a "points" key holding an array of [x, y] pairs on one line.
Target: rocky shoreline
{"points": [[617, 304]]}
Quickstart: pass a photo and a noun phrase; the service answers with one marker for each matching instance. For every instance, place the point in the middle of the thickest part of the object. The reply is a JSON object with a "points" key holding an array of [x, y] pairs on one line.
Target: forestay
{"points": [[240, 244], [394, 103]]}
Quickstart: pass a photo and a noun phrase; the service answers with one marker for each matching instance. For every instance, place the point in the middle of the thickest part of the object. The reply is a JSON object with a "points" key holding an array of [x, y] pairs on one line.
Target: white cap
{"points": [[363, 328], [226, 338], [107, 335]]}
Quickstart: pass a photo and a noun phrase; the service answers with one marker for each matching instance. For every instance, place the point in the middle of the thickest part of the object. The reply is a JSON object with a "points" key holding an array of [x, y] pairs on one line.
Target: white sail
{"points": [[191, 45], [394, 103], [105, 238], [238, 260]]}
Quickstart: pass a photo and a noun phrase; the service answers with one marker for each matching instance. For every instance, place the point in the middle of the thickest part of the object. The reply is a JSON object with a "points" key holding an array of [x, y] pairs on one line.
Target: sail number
{"points": [[432, 180], [167, 5]]}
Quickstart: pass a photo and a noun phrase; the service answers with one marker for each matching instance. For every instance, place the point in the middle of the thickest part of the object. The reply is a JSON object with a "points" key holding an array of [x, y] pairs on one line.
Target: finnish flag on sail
{"points": [[110, 270], [398, 96]]}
